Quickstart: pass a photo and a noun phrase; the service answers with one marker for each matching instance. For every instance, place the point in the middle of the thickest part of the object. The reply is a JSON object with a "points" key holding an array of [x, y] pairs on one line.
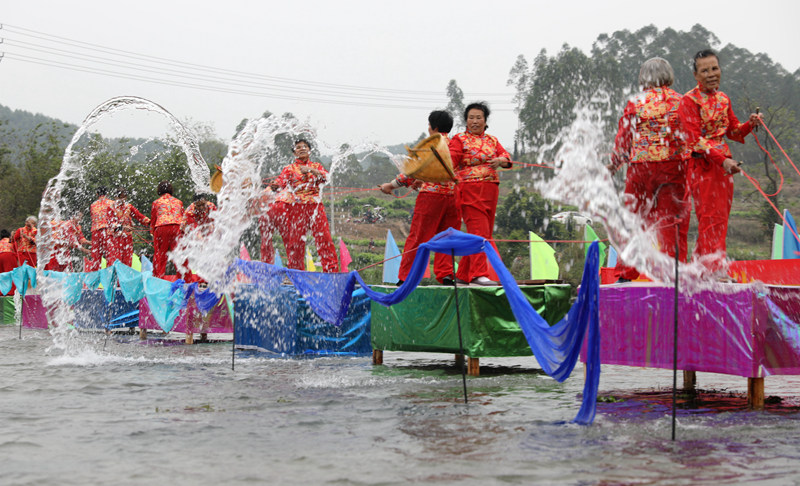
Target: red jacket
{"points": [[706, 118]]}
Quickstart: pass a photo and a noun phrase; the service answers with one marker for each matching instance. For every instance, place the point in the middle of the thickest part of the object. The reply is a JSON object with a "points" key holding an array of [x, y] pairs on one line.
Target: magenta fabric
{"points": [[218, 319], [744, 332], [33, 312]]}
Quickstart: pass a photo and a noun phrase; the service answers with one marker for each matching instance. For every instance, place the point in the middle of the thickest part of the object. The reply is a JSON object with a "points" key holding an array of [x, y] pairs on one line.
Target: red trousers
{"points": [[8, 262], [121, 248], [165, 238], [477, 202], [26, 256], [433, 213], [712, 191], [61, 260], [101, 248], [658, 192], [267, 225], [295, 221]]}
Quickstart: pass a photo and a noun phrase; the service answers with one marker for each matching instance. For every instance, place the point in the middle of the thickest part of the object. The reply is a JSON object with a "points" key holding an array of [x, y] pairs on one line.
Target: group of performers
{"points": [[673, 144], [675, 149]]}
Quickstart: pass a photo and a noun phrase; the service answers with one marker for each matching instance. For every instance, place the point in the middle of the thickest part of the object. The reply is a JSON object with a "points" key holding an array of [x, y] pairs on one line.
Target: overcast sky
{"points": [[358, 71]]}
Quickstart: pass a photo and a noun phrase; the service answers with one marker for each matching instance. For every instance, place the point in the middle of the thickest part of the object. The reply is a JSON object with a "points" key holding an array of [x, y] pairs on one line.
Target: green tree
{"points": [[455, 105]]}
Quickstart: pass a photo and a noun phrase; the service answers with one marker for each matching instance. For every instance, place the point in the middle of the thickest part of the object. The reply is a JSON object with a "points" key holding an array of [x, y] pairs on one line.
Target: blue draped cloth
{"points": [[556, 347], [204, 299]]}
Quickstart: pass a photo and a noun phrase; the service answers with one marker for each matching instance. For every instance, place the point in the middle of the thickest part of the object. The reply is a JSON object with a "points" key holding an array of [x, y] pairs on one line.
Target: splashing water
{"points": [[54, 203], [210, 250], [583, 181]]}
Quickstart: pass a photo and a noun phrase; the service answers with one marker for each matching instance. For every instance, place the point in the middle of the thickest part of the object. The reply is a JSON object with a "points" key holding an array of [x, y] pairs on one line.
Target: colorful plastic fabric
{"points": [[165, 302], [738, 330], [19, 277], [328, 294], [426, 320], [7, 310], [281, 322]]}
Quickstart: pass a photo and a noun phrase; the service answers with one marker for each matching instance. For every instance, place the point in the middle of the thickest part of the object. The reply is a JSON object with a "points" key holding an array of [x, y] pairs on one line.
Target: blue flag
{"points": [[391, 268], [791, 247], [612, 256]]}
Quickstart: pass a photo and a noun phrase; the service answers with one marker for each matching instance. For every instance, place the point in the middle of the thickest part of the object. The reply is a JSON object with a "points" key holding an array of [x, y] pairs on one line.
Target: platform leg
{"points": [[142, 333], [474, 367], [377, 356], [689, 381], [459, 360], [755, 393], [189, 338]]}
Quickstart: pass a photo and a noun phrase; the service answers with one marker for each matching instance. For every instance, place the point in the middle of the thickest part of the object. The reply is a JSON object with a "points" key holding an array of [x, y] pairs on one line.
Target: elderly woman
{"points": [[706, 119], [299, 210], [24, 240], [476, 158], [648, 141]]}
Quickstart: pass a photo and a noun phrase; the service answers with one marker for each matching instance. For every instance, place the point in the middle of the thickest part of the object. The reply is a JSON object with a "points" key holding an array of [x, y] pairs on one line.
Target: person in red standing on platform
{"points": [[434, 211], [101, 233], [648, 141], [299, 209], [706, 118], [67, 236], [8, 257], [476, 157], [269, 221], [123, 215], [166, 216], [197, 215], [24, 241]]}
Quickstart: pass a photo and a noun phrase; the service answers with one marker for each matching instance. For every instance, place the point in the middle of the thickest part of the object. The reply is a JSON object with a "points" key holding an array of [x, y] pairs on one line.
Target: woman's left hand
{"points": [[500, 162]]}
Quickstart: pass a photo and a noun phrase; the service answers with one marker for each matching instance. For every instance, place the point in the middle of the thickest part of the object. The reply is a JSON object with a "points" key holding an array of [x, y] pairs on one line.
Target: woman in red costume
{"points": [[123, 215], [299, 210], [8, 257], [67, 236], [101, 233], [434, 211], [198, 214], [166, 216], [24, 241], [648, 140], [706, 118], [269, 221], [476, 157]]}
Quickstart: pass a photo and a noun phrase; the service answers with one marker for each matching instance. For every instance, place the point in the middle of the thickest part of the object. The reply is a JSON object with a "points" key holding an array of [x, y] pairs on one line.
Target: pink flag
{"points": [[344, 256], [243, 253]]}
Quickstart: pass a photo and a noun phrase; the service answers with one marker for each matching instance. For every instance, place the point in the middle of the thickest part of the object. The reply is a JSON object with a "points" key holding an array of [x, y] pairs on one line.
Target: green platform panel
{"points": [[7, 310], [426, 320]]}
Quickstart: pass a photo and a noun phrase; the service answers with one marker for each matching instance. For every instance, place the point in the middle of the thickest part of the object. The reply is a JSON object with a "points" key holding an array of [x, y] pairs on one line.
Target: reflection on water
{"points": [[156, 411]]}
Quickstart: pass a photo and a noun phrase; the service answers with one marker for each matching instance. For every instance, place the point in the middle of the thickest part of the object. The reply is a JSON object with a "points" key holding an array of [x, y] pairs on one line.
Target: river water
{"points": [[159, 412]]}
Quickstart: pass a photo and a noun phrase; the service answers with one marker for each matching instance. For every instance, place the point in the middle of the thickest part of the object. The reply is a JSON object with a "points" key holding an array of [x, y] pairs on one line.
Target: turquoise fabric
{"points": [[131, 282], [5, 283], [20, 276], [164, 303]]}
